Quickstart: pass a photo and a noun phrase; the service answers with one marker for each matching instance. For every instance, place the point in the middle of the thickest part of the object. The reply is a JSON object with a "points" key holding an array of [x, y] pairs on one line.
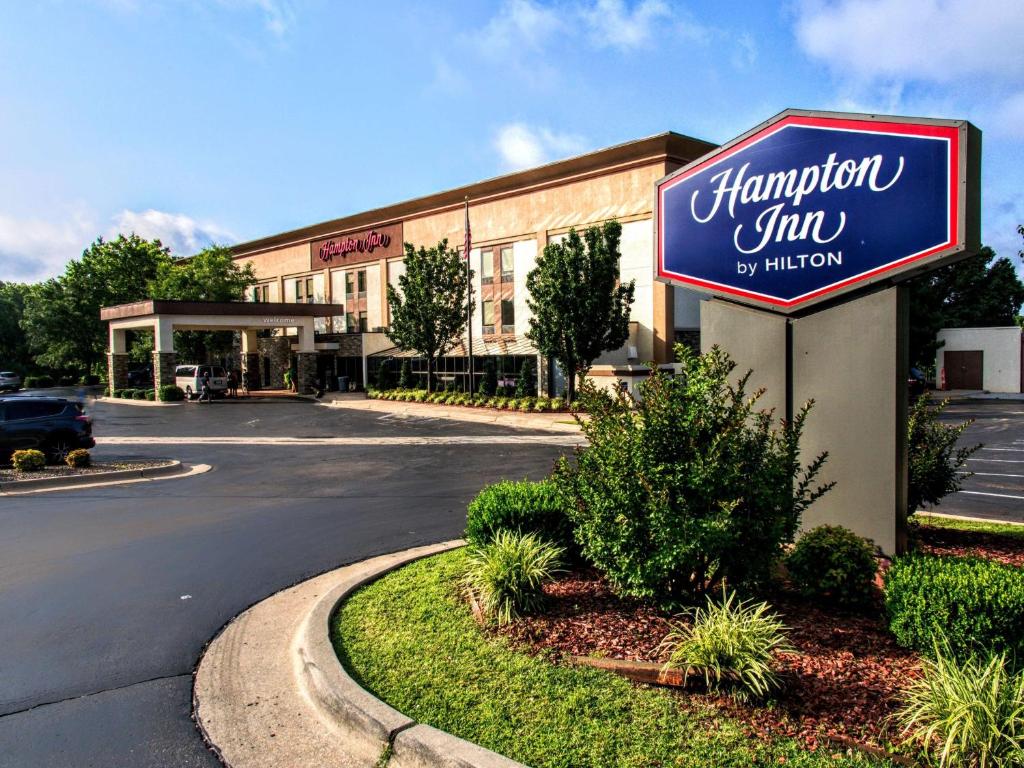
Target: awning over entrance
{"points": [[481, 348]]}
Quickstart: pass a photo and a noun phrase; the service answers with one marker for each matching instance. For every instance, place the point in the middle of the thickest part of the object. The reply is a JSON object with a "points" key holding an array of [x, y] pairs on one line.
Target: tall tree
{"points": [[981, 290], [428, 312], [13, 349], [579, 308]]}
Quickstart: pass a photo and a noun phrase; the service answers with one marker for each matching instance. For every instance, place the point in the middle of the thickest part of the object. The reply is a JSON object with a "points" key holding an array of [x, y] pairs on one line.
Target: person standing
{"points": [[207, 393]]}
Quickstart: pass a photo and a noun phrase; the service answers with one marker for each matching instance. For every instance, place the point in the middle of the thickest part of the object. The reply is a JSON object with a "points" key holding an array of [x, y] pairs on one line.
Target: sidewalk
{"points": [[555, 422]]}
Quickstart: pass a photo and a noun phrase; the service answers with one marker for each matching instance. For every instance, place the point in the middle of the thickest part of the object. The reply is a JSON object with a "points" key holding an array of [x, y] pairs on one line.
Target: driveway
{"points": [[107, 596]]}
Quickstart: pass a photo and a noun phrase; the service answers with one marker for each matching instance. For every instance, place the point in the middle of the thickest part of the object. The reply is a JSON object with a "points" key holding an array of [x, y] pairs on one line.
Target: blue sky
{"points": [[226, 120]]}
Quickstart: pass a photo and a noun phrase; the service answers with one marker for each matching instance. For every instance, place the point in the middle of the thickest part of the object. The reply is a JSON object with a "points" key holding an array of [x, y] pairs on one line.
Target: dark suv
{"points": [[52, 425]]}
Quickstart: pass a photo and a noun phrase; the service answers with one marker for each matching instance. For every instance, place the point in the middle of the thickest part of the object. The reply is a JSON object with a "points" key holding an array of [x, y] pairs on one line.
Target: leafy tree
{"points": [[489, 381], [14, 351], [428, 313], [689, 485], [981, 290], [526, 384], [579, 309]]}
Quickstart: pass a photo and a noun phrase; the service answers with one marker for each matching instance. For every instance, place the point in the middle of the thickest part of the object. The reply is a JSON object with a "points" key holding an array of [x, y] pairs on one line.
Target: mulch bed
{"points": [[8, 474], [843, 681], [949, 541]]}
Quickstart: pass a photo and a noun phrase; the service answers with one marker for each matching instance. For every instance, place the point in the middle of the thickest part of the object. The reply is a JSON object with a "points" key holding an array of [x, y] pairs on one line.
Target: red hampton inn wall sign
{"points": [[356, 247]]}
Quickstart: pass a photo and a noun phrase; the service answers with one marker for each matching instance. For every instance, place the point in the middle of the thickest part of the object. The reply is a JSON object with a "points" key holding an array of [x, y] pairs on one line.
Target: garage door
{"points": [[963, 369]]}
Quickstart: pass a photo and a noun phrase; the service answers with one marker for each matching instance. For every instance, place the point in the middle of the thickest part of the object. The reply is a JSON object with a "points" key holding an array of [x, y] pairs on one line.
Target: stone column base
{"points": [[164, 364], [117, 371], [306, 372]]}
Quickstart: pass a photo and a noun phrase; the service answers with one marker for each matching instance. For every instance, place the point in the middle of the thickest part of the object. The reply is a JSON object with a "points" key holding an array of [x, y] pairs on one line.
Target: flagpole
{"points": [[469, 299]]}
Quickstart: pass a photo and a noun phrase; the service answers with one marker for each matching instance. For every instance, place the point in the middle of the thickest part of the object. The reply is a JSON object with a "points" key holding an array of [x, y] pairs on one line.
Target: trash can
{"points": [[343, 383]]}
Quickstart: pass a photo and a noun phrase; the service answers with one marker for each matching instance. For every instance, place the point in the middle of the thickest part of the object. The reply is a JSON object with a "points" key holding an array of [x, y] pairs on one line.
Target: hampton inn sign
{"points": [[810, 206]]}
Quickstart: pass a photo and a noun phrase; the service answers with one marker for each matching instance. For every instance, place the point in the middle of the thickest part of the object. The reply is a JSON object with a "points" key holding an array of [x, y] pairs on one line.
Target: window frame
{"points": [[509, 275]]}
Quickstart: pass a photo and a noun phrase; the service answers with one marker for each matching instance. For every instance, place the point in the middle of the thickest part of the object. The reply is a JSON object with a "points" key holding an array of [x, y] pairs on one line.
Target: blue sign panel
{"points": [[809, 207]]}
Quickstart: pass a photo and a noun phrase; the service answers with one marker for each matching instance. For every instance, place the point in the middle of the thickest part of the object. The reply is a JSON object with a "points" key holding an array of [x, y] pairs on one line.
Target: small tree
{"points": [[934, 461], [526, 384], [489, 381], [579, 309], [428, 313], [687, 486], [405, 375]]}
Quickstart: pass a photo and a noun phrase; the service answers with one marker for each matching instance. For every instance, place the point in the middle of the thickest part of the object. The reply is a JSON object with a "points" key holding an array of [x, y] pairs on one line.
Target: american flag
{"points": [[469, 238]]}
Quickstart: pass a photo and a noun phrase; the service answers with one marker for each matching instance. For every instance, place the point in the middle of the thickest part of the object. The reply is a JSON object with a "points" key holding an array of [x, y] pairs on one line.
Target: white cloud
{"points": [[1008, 119], [932, 40], [521, 146], [33, 249], [182, 234], [519, 24], [613, 24], [278, 15]]}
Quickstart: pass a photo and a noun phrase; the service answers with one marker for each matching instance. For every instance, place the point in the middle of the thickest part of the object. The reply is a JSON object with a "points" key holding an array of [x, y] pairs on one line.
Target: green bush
{"points": [[139, 394], [67, 381], [489, 381], [507, 575], [974, 605], [127, 394], [968, 713], [526, 403], [526, 384], [151, 394], [731, 642], [934, 461], [90, 380], [78, 458], [521, 506], [38, 382], [687, 486], [557, 404], [170, 393], [833, 563], [30, 460], [405, 375]]}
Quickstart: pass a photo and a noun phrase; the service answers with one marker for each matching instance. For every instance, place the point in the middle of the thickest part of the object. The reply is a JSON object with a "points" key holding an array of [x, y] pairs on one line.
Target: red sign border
{"points": [[950, 130]]}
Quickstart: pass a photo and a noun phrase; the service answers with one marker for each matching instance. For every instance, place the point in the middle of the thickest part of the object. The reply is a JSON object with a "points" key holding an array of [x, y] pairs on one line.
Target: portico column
{"points": [[164, 359], [305, 373], [251, 359], [117, 361]]}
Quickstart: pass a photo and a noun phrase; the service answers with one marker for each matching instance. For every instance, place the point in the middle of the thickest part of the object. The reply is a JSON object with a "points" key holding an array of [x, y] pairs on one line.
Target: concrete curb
{"points": [[279, 652], [554, 422], [16, 486], [146, 403]]}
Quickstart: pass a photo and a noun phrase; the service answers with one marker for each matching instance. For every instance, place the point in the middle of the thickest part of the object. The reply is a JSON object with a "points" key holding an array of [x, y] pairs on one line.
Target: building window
{"points": [[266, 293], [309, 290], [298, 292], [506, 263], [363, 327], [486, 267], [508, 316], [256, 293], [361, 278], [338, 323], [488, 315], [350, 286]]}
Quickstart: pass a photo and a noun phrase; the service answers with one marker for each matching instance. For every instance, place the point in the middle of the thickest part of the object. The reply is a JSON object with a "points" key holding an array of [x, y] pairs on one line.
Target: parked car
{"points": [[917, 384], [189, 379], [54, 425], [9, 381], [140, 377]]}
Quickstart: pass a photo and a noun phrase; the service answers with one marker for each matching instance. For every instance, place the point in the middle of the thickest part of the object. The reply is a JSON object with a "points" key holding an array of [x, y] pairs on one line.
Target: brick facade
{"points": [[117, 371], [306, 373], [164, 364]]}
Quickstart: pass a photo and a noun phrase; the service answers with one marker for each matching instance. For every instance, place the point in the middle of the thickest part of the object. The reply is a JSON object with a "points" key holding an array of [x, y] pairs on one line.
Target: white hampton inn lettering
{"points": [[790, 187]]}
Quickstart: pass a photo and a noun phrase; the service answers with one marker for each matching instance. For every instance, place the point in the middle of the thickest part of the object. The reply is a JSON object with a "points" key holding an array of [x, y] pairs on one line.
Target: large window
{"points": [[506, 263], [508, 316], [361, 280], [350, 285], [309, 291], [486, 267], [363, 327], [488, 315]]}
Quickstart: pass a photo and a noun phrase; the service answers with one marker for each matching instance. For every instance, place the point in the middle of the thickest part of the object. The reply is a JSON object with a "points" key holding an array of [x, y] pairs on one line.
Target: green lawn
{"points": [[1012, 531], [409, 639]]}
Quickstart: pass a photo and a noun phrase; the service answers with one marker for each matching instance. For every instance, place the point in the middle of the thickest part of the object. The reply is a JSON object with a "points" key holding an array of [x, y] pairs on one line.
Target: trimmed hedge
{"points": [[28, 461], [478, 400], [170, 393], [519, 506], [138, 394], [78, 458], [976, 605], [38, 382], [833, 563]]}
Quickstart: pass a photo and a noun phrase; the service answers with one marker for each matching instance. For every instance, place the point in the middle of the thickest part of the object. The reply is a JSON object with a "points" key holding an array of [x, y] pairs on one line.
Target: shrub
{"points": [[383, 379], [151, 394], [90, 380], [526, 384], [521, 506], [687, 486], [139, 394], [974, 605], [78, 458], [935, 462], [405, 375], [557, 404], [30, 460], [38, 382], [833, 563], [67, 381], [968, 713], [542, 404], [526, 403], [127, 394], [117, 393], [506, 576], [489, 381], [731, 642], [170, 393]]}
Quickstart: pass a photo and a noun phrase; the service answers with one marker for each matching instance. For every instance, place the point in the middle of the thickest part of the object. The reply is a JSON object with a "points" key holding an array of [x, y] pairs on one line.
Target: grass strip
{"points": [[410, 640], [1001, 529]]}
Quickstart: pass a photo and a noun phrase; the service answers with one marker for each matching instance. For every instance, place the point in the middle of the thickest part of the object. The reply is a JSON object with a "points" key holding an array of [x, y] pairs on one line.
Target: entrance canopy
{"points": [[165, 317]]}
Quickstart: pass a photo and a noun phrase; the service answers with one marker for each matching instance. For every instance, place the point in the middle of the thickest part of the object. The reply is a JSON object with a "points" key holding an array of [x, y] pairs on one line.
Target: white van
{"points": [[190, 379]]}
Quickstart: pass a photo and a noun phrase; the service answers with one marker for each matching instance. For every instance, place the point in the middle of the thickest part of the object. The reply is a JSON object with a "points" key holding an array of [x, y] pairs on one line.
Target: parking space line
{"points": [[989, 474], [999, 461], [1012, 450], [997, 495]]}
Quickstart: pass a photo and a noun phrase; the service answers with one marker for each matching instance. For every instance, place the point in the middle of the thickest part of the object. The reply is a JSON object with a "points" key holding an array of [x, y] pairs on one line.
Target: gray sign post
{"points": [[801, 231]]}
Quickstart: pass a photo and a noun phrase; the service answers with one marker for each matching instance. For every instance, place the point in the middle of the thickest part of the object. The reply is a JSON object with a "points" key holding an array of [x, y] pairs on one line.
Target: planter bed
{"points": [[410, 639], [10, 475], [1004, 543]]}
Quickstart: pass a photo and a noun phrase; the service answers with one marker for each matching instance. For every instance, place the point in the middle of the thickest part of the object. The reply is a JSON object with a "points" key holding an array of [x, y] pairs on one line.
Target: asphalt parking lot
{"points": [[996, 488]]}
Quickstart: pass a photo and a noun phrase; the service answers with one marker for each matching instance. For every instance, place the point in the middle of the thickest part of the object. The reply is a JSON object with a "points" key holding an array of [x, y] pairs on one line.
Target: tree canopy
{"points": [[428, 312], [981, 290], [14, 352], [579, 308]]}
